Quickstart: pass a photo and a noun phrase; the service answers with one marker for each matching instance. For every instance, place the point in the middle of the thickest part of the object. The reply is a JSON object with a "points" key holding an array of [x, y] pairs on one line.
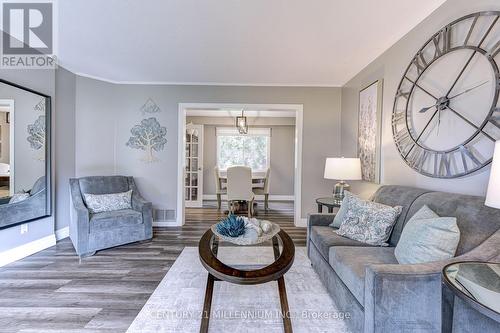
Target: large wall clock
{"points": [[446, 116]]}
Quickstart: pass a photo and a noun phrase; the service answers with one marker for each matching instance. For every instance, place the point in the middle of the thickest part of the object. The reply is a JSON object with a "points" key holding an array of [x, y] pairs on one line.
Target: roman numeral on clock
{"points": [[495, 117], [404, 141], [398, 117], [470, 153], [442, 42], [444, 164], [419, 63]]}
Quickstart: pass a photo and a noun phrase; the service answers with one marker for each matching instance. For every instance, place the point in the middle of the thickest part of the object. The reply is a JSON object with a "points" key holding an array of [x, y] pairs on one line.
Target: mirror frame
{"points": [[48, 152]]}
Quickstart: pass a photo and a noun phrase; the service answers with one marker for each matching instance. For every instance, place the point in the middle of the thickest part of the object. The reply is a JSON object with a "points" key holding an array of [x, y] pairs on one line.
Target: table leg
{"points": [[320, 208], [330, 210], [287, 323], [285, 310], [207, 304]]}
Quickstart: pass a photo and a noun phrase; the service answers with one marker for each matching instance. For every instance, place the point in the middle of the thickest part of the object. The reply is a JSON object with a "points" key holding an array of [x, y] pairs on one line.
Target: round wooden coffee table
{"points": [[284, 253]]}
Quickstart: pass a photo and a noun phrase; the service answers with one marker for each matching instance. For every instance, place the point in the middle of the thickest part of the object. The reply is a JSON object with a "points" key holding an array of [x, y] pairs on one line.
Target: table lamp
{"points": [[493, 194], [342, 169]]}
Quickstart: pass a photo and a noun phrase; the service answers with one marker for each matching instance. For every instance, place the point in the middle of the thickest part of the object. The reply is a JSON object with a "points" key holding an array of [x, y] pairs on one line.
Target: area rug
{"points": [[177, 302]]}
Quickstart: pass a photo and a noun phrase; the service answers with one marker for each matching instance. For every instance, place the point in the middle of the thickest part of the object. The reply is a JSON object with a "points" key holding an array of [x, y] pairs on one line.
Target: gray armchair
{"points": [[92, 232]]}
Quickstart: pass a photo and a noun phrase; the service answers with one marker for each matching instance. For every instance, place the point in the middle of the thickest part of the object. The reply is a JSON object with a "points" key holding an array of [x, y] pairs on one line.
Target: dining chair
{"points": [[239, 187], [219, 189], [264, 189]]}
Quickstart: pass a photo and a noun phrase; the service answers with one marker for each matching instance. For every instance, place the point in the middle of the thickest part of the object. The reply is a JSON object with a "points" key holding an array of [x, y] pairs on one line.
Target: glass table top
{"points": [[329, 201], [479, 281], [247, 257]]}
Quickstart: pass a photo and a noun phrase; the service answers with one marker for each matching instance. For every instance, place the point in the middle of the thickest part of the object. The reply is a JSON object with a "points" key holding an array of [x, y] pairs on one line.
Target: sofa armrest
{"points": [[400, 298], [319, 219], [32, 207], [408, 297]]}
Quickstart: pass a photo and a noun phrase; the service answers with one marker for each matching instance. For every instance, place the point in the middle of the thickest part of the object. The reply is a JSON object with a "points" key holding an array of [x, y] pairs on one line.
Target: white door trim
{"points": [[181, 142], [9, 104]]}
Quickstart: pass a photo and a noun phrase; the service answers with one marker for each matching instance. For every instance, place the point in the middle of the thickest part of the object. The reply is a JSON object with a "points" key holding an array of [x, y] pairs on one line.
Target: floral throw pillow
{"points": [[98, 203], [366, 221]]}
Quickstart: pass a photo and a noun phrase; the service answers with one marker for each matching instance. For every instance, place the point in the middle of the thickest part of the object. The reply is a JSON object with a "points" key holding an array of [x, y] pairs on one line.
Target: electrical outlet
{"points": [[24, 228]]}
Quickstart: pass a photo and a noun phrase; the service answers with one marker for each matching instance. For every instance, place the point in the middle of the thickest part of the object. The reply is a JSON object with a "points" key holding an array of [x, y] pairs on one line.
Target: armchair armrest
{"points": [[139, 203], [146, 208], [79, 220]]}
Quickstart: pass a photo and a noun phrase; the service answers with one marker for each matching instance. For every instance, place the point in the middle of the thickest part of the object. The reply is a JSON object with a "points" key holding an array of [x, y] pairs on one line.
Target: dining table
{"points": [[258, 179]]}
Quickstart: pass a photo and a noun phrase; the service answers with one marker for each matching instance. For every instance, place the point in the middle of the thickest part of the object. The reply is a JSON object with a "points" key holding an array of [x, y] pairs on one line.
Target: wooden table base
{"points": [[207, 304]]}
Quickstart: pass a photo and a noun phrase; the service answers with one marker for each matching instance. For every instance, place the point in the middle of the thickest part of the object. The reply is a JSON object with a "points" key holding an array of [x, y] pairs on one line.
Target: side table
{"points": [[329, 202]]}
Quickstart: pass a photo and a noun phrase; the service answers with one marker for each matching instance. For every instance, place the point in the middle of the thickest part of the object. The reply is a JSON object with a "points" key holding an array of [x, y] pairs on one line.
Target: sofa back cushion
{"points": [[394, 195], [475, 221], [104, 184]]}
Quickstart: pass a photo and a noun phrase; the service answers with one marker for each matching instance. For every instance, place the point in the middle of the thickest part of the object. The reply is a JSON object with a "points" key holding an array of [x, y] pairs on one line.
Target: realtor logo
{"points": [[28, 34]]}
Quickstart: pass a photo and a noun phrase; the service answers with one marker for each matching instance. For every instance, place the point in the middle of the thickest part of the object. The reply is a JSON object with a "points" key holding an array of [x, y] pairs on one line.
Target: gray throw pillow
{"points": [[18, 197], [366, 221], [339, 217], [98, 203], [427, 237]]}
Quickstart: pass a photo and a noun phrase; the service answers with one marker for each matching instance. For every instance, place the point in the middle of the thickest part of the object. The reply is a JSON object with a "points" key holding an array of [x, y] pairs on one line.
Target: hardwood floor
{"points": [[52, 292]]}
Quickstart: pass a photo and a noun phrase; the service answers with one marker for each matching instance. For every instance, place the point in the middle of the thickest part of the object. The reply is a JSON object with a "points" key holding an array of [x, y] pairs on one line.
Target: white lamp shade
{"points": [[341, 168], [493, 194]]}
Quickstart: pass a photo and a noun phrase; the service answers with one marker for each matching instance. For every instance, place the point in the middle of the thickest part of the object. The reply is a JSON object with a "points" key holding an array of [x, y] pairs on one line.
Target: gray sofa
{"points": [[28, 209], [92, 232], [384, 296]]}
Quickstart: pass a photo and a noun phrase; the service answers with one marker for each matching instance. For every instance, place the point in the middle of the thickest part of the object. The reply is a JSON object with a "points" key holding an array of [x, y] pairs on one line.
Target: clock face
{"points": [[446, 116]]}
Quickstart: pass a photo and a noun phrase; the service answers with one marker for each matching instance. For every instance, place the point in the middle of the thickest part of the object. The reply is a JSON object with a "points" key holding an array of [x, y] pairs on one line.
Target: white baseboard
{"points": [[25, 250], [62, 233], [165, 224], [257, 197]]}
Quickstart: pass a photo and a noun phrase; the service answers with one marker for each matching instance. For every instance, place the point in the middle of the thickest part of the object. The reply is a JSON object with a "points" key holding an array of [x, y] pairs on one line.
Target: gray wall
{"points": [[64, 149], [390, 67], [105, 113], [282, 150], [44, 82]]}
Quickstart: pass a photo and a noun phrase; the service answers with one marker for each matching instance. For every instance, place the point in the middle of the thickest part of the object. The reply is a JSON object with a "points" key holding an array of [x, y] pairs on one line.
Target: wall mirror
{"points": [[25, 192]]}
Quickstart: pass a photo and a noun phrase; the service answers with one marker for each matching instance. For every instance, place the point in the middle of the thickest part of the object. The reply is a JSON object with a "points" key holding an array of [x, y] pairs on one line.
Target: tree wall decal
{"points": [[36, 136], [149, 136]]}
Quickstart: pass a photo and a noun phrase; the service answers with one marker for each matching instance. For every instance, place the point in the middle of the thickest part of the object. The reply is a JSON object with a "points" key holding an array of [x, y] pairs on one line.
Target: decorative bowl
{"points": [[249, 237]]}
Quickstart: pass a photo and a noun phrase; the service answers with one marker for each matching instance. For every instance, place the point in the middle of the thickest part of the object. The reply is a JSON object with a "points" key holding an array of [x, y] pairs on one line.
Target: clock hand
{"points": [[423, 110], [467, 90]]}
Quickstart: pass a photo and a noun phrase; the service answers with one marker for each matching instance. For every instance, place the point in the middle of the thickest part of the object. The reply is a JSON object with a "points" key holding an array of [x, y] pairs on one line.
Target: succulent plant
{"points": [[231, 226]]}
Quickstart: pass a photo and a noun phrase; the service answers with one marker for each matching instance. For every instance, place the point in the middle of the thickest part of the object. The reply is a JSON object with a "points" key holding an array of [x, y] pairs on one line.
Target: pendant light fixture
{"points": [[241, 123]]}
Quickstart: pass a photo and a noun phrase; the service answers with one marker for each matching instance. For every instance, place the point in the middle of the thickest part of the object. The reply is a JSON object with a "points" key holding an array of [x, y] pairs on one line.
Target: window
{"points": [[251, 150]]}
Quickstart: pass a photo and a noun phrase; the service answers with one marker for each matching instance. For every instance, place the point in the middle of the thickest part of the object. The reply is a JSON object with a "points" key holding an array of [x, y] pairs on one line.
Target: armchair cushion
{"points": [[350, 263], [325, 237], [115, 219]]}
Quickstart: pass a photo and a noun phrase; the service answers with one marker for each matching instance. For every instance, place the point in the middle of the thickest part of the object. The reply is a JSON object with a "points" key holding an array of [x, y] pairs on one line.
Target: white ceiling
{"points": [[252, 42]]}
